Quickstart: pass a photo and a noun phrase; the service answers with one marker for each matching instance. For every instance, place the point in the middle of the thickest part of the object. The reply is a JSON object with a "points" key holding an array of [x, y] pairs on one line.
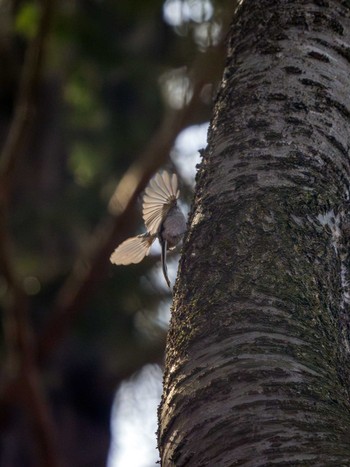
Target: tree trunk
{"points": [[257, 363]]}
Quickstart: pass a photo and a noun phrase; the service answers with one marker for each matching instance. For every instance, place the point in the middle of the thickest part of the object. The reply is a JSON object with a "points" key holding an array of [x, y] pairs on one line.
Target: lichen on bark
{"points": [[258, 348]]}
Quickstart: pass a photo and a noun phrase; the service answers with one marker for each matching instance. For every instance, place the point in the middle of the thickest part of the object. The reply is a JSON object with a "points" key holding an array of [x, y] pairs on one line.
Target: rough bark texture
{"points": [[257, 364]]}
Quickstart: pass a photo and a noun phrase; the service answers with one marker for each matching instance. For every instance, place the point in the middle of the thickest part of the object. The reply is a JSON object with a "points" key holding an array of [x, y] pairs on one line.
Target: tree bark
{"points": [[257, 361]]}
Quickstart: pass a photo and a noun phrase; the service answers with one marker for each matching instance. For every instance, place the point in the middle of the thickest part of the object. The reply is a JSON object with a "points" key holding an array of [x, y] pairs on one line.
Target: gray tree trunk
{"points": [[257, 363]]}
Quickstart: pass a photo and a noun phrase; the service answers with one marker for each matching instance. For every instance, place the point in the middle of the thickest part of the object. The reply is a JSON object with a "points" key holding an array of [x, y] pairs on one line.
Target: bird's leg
{"points": [[163, 244]]}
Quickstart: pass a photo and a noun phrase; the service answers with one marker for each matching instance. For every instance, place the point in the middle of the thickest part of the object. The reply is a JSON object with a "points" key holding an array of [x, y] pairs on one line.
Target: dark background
{"points": [[93, 94]]}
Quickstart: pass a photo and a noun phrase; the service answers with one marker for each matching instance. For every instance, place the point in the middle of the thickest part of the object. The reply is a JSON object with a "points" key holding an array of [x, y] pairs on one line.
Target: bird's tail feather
{"points": [[163, 259]]}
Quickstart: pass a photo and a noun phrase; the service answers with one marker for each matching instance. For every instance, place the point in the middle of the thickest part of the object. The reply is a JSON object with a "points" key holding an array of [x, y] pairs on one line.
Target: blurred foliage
{"points": [[112, 70], [26, 20]]}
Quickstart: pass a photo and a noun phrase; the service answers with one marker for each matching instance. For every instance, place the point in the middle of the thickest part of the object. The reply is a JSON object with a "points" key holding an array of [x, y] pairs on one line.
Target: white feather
{"points": [[160, 196], [133, 250]]}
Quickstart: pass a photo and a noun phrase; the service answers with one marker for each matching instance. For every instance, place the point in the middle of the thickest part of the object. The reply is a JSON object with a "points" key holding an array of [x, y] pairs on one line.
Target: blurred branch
{"points": [[24, 384], [24, 109], [78, 289]]}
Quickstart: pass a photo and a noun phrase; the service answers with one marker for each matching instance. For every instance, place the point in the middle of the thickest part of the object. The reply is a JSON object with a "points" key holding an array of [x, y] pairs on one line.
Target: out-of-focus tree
{"points": [[92, 97]]}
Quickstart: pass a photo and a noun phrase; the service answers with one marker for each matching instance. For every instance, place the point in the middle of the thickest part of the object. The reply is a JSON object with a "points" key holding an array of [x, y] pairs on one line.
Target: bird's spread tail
{"points": [[160, 196]]}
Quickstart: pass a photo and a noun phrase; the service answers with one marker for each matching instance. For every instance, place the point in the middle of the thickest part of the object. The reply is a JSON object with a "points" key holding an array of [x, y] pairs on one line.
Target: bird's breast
{"points": [[174, 226]]}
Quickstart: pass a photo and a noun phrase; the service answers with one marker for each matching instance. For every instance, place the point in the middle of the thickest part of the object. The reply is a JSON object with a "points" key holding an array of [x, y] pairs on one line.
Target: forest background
{"points": [[95, 96]]}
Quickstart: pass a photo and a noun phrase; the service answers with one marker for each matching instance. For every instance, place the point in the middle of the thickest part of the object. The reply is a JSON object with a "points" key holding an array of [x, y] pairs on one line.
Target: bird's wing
{"points": [[160, 195], [133, 250]]}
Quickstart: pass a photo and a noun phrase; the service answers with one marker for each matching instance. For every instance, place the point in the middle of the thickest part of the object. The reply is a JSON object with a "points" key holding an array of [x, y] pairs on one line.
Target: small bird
{"points": [[163, 220]]}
